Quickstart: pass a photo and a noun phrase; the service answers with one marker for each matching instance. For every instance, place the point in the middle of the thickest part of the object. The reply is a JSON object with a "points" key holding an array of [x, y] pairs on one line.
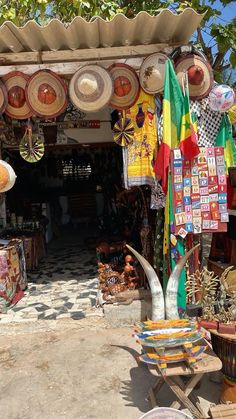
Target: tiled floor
{"points": [[64, 286]]}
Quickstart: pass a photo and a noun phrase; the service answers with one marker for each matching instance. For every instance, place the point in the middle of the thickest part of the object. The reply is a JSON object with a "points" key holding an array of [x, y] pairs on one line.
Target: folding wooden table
{"points": [[208, 362]]}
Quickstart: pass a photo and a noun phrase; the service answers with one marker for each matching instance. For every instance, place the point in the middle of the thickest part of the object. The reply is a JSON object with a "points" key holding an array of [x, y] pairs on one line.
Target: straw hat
{"points": [[200, 75], [17, 107], [91, 88], [126, 86], [152, 73], [7, 176], [3, 97], [46, 94]]}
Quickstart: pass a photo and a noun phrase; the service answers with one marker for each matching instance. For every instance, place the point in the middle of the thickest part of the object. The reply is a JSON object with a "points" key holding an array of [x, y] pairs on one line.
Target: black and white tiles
{"points": [[63, 286]]}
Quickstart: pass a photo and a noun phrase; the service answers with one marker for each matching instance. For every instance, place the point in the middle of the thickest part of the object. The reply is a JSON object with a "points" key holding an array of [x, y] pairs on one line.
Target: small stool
{"points": [[208, 362]]}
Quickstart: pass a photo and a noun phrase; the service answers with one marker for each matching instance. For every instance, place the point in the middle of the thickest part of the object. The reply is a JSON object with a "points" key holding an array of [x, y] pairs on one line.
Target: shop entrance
{"points": [[67, 200]]}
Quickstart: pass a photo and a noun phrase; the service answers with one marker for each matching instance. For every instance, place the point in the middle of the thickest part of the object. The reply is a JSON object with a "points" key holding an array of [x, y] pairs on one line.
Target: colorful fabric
{"points": [[225, 139], [22, 264], [138, 156], [188, 135], [172, 115], [9, 278]]}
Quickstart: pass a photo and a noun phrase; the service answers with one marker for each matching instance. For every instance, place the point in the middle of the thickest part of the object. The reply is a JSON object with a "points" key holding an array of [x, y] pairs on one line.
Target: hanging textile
{"points": [[138, 156], [225, 139], [172, 114]]}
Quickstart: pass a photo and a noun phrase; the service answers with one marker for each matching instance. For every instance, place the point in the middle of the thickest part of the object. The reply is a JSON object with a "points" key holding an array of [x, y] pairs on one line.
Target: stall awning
{"points": [[144, 29]]}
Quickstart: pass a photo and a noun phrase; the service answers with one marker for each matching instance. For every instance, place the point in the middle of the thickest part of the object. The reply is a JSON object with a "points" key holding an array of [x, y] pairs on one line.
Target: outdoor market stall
{"points": [[166, 149]]}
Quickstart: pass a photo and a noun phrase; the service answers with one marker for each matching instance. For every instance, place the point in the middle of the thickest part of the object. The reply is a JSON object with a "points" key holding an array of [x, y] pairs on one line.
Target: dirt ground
{"points": [[75, 370]]}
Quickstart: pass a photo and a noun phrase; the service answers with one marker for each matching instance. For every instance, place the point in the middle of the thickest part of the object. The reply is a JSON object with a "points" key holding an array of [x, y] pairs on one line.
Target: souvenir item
{"points": [[126, 86], [7, 176], [17, 107], [172, 356], [3, 97], [221, 98], [31, 147], [91, 88], [232, 114], [169, 308], [138, 156], [201, 205], [46, 94], [123, 132], [152, 73], [200, 75]]}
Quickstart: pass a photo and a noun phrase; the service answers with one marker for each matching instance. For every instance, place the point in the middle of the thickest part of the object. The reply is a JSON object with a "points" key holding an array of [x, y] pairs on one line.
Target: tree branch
{"points": [[207, 50], [218, 59]]}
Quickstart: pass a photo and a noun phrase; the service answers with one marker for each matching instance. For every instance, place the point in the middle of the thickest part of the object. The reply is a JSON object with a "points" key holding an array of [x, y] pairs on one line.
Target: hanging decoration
{"points": [[200, 75], [221, 98], [126, 86], [152, 73], [31, 146], [123, 132], [17, 107], [46, 94], [91, 88]]}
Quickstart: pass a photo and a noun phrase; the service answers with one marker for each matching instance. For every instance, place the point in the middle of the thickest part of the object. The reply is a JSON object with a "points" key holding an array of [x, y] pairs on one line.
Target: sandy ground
{"points": [[75, 370]]}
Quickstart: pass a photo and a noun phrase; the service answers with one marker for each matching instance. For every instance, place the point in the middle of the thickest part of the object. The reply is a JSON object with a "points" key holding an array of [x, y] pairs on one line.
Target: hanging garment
{"points": [[138, 156]]}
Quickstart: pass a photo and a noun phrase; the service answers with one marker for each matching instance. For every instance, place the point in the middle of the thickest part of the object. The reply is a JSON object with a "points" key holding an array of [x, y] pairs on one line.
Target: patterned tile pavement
{"points": [[63, 286]]}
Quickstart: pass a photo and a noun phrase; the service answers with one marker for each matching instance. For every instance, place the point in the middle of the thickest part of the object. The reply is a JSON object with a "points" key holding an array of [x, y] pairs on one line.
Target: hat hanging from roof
{"points": [[200, 75], [46, 94], [91, 88], [3, 97], [17, 107], [7, 176], [152, 73], [126, 86]]}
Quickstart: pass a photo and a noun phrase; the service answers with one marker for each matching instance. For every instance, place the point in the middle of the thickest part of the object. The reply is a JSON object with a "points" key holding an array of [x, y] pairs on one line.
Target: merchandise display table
{"points": [[209, 362]]}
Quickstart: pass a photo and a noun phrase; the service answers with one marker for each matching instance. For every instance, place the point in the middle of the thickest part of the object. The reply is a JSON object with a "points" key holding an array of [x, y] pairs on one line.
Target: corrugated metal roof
{"points": [[144, 29]]}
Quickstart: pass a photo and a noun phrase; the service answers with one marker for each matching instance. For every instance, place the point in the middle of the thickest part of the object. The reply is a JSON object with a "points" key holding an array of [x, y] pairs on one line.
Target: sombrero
{"points": [[152, 73], [91, 88], [46, 94], [200, 75], [126, 86], [7, 176], [17, 107]]}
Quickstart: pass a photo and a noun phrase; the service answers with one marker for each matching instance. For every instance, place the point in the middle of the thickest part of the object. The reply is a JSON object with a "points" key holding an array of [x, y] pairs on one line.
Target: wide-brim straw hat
{"points": [[152, 73], [91, 88], [17, 107], [3, 97], [7, 176], [200, 75], [46, 94], [126, 86]]}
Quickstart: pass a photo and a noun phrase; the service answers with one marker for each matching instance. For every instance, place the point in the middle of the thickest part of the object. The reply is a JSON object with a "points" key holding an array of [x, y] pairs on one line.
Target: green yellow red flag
{"points": [[172, 115], [225, 139], [188, 136]]}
